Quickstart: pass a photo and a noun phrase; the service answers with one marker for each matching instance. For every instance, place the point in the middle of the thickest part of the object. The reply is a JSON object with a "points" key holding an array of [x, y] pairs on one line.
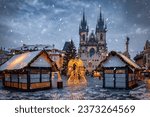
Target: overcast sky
{"points": [[57, 21]]}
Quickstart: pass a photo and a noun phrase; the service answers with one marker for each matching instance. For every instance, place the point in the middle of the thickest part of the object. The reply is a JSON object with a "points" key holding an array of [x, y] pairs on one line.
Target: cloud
{"points": [[141, 31], [53, 21]]}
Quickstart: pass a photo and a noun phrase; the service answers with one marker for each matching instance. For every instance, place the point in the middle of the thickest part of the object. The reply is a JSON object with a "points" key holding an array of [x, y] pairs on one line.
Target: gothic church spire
{"points": [[83, 25], [100, 26]]}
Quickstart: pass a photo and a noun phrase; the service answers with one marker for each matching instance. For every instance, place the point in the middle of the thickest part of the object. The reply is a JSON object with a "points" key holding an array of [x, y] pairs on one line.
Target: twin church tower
{"points": [[93, 46]]}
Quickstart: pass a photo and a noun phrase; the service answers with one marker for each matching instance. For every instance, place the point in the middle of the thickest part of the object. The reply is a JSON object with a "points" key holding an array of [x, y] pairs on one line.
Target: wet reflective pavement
{"points": [[92, 91]]}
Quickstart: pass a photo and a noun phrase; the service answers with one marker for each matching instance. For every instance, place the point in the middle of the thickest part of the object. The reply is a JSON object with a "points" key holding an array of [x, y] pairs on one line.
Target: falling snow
{"points": [[49, 21], [59, 29]]}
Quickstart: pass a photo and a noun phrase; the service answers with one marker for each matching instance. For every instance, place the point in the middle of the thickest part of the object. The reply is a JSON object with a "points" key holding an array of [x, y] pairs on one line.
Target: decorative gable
{"points": [[114, 61], [41, 61]]}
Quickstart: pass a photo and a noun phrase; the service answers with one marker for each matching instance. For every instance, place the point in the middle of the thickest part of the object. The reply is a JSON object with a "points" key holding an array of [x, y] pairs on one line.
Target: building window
{"points": [[83, 37], [92, 52]]}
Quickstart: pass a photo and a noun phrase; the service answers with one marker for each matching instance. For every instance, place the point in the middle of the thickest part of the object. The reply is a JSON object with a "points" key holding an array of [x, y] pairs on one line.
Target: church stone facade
{"points": [[92, 46]]}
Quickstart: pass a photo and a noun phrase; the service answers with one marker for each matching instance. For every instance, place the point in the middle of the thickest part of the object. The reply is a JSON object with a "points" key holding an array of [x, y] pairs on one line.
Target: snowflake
{"points": [[60, 19], [59, 29], [53, 6], [21, 41], [43, 31], [116, 40]]}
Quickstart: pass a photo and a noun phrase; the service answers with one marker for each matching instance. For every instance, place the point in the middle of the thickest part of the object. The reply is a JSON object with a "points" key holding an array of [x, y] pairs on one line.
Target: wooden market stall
{"points": [[119, 71], [28, 71]]}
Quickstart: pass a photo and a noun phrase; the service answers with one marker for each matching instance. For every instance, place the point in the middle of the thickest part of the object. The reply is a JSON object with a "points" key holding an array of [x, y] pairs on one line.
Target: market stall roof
{"points": [[129, 61], [22, 60], [123, 58]]}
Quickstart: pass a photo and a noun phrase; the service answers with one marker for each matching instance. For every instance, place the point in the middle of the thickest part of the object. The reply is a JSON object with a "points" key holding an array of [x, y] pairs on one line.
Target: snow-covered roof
{"points": [[34, 47], [55, 51], [19, 61], [129, 61], [123, 58]]}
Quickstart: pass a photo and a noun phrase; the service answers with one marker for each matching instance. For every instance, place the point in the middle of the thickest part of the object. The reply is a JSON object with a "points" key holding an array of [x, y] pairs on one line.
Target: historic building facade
{"points": [[93, 46], [143, 59], [147, 54]]}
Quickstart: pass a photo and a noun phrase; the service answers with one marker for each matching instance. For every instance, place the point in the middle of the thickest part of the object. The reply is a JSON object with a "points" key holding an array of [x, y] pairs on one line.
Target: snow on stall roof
{"points": [[19, 61], [124, 58], [32, 47], [129, 61]]}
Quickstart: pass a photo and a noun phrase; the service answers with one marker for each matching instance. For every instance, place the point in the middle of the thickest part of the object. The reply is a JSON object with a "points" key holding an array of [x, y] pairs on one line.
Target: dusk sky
{"points": [[57, 21]]}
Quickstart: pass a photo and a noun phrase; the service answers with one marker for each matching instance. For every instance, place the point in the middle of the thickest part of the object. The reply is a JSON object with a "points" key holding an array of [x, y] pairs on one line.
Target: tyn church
{"points": [[93, 46]]}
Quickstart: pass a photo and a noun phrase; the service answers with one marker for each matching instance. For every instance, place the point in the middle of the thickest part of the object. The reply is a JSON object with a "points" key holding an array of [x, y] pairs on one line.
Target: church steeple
{"points": [[83, 25], [100, 26], [100, 16], [83, 17]]}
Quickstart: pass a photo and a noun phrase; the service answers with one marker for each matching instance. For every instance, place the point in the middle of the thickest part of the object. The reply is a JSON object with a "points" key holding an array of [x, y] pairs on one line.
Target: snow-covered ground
{"points": [[93, 90], [142, 92]]}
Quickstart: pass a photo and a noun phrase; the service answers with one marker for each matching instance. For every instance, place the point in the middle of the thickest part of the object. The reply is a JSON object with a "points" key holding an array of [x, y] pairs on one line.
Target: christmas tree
{"points": [[69, 54]]}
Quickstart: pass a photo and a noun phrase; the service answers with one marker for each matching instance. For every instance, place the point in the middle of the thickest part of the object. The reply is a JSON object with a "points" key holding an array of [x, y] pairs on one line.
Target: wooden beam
{"points": [[46, 68], [3, 79], [28, 79], [40, 75], [103, 78], [18, 80], [10, 80], [50, 78], [115, 78], [127, 77]]}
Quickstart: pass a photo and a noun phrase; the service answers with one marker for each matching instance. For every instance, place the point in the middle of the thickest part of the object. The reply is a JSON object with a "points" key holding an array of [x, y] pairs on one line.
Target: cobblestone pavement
{"points": [[92, 91]]}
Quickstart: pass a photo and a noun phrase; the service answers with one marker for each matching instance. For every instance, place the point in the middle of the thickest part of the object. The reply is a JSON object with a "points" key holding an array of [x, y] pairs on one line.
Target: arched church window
{"points": [[83, 37], [92, 52]]}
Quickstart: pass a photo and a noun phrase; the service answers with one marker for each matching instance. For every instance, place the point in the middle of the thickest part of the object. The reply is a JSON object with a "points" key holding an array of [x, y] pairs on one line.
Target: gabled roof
{"points": [[55, 51], [21, 61], [125, 59], [66, 45]]}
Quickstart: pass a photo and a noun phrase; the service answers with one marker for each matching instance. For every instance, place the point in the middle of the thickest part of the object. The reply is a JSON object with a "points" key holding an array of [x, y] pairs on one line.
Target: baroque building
{"points": [[92, 46]]}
